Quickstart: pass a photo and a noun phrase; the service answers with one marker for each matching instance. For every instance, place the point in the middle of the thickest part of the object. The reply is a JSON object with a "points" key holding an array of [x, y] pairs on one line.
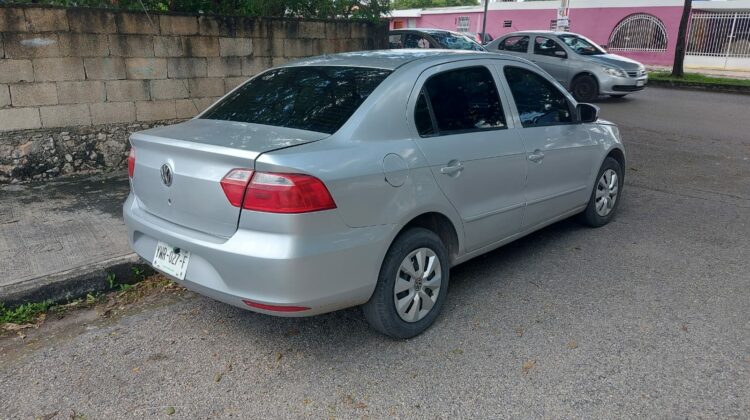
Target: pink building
{"points": [[644, 30]]}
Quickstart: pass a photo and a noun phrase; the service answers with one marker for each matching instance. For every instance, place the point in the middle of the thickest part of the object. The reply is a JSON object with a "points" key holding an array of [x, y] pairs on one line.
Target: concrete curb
{"points": [[74, 283], [745, 90]]}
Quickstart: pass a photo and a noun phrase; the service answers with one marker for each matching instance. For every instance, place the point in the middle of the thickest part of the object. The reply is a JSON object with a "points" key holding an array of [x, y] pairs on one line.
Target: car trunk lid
{"points": [[178, 168]]}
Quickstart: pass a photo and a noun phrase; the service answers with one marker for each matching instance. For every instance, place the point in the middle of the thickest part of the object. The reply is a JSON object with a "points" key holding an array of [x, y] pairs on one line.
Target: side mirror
{"points": [[561, 54], [587, 113]]}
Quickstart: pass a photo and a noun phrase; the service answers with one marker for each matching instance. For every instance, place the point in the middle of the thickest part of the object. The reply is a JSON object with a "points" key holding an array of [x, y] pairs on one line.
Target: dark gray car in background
{"points": [[432, 38], [578, 63]]}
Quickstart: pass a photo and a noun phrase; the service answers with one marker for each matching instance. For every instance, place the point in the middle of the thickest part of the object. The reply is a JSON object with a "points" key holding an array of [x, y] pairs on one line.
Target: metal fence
{"points": [[639, 32], [719, 34]]}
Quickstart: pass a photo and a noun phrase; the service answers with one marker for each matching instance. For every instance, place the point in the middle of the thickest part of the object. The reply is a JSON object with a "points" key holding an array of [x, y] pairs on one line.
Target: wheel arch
{"points": [[442, 226], [585, 73], [617, 154]]}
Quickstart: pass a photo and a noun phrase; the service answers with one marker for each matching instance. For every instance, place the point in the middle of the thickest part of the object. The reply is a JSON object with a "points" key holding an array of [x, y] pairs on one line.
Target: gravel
{"points": [[646, 317]]}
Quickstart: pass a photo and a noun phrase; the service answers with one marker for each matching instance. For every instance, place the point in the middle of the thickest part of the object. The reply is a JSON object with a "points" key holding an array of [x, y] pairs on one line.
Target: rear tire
{"points": [[418, 261], [585, 88], [605, 198]]}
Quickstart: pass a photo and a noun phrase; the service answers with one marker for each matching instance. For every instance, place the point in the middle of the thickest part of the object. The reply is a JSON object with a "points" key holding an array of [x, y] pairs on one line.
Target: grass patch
{"points": [[699, 79], [33, 314], [24, 314]]}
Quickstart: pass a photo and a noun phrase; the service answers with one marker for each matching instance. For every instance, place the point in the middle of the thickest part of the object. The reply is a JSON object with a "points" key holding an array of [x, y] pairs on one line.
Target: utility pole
{"points": [[484, 22], [563, 20]]}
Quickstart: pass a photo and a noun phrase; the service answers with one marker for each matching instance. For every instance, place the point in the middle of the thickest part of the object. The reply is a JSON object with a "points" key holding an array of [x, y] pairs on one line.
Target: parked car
{"points": [[431, 38], [576, 62], [362, 178], [477, 36]]}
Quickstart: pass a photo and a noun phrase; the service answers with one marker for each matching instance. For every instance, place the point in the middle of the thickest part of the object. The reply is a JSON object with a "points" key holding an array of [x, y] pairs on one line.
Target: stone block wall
{"points": [[104, 73]]}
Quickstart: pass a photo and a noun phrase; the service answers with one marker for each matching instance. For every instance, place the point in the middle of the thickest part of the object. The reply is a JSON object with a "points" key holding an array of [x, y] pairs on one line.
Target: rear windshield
{"points": [[314, 98]]}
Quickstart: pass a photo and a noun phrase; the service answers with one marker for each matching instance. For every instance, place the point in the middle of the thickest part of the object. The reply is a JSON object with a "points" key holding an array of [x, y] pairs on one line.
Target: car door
{"points": [[551, 56], [515, 45], [561, 152], [463, 132]]}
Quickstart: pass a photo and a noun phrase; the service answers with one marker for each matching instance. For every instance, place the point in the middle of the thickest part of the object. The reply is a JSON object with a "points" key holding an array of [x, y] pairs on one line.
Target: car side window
{"points": [[422, 117], [538, 101], [548, 47], [461, 100], [394, 41], [416, 41], [515, 44]]}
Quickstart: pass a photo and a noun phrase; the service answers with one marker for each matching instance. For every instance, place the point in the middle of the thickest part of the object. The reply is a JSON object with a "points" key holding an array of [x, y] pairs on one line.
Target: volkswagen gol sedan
{"points": [[576, 62], [362, 178]]}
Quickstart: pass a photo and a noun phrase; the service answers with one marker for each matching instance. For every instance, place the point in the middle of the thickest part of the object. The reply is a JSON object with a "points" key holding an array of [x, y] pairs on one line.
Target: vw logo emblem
{"points": [[166, 175]]}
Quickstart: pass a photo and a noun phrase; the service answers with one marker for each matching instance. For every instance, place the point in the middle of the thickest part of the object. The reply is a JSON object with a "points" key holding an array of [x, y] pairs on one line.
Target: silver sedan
{"points": [[362, 178], [576, 62]]}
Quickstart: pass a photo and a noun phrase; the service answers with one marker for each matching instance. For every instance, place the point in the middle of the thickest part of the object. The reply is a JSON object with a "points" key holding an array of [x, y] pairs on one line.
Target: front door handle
{"points": [[536, 156], [453, 167]]}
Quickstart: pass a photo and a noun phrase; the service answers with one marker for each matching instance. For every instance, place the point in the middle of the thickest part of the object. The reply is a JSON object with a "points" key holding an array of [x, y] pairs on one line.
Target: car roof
{"points": [[543, 32], [428, 31], [386, 59]]}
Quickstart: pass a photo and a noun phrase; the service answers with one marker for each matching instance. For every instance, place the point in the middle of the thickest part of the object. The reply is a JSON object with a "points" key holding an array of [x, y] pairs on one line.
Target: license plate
{"points": [[171, 260], [640, 83]]}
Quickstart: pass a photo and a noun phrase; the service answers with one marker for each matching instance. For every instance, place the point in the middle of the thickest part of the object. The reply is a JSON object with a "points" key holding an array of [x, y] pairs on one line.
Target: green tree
{"points": [[324, 9], [424, 4]]}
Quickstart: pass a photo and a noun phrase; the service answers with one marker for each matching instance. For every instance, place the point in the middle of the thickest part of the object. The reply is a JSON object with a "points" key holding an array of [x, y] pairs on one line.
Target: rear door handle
{"points": [[537, 156], [453, 167]]}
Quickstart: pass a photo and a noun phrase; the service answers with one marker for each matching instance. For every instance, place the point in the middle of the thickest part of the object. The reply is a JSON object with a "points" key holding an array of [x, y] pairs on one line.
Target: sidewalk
{"points": [[731, 74], [62, 237]]}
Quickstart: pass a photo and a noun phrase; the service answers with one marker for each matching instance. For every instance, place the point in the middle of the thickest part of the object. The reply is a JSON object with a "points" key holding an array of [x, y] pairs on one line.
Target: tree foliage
{"points": [[363, 9], [424, 4]]}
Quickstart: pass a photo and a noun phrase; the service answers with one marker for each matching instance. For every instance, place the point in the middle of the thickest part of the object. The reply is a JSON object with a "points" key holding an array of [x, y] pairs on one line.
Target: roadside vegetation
{"points": [[356, 9], [698, 79], [33, 314]]}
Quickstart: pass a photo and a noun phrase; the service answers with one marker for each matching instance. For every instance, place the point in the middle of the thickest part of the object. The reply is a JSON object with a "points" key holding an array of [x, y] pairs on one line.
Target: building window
{"points": [[639, 32], [462, 24]]}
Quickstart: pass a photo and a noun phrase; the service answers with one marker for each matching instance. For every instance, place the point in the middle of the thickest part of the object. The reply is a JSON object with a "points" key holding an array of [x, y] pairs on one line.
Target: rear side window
{"points": [[416, 41], [462, 100], [313, 98], [423, 117], [394, 41], [538, 101], [515, 44]]}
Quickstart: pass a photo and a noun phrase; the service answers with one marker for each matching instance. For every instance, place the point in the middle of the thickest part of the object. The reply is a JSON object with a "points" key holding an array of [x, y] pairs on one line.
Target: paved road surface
{"points": [[646, 317]]}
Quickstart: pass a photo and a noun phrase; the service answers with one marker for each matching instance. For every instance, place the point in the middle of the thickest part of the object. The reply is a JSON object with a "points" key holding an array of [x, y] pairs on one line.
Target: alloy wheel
{"points": [[606, 192], [417, 284]]}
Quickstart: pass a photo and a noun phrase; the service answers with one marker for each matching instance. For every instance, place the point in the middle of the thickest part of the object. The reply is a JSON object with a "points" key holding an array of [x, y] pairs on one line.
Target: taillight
{"points": [[234, 185], [131, 162], [276, 192], [287, 193]]}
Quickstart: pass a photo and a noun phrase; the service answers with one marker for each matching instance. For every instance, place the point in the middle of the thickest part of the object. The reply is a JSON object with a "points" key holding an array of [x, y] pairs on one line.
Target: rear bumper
{"points": [[324, 271]]}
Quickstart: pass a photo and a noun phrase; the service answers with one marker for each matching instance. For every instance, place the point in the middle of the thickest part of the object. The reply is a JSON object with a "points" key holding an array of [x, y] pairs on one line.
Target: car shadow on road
{"points": [[320, 335]]}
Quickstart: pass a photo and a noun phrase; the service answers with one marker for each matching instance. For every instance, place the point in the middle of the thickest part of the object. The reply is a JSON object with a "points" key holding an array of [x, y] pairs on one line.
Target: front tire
{"points": [[606, 195], [412, 285], [585, 88]]}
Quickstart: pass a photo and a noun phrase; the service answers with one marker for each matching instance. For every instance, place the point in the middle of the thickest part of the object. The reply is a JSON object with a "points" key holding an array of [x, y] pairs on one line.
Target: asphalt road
{"points": [[646, 317]]}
